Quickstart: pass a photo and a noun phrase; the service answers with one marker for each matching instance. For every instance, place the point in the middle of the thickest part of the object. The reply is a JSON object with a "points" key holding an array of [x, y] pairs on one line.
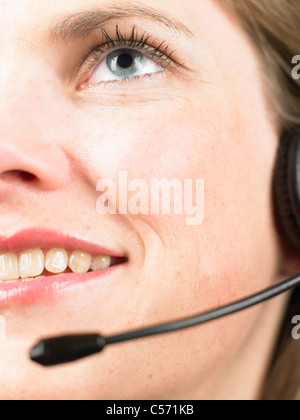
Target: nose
{"points": [[24, 158]]}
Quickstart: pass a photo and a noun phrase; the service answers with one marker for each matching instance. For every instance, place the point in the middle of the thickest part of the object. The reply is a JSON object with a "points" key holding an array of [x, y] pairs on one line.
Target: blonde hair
{"points": [[274, 26]]}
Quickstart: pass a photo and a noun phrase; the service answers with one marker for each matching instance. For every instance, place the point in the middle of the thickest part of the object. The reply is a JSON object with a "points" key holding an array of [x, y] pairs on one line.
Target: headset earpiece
{"points": [[287, 187]]}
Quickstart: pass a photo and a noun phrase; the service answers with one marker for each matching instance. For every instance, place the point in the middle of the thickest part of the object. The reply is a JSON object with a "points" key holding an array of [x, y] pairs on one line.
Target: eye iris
{"points": [[125, 61]]}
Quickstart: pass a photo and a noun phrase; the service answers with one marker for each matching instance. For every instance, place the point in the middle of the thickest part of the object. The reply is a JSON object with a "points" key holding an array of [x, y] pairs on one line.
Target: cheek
{"points": [[192, 269], [237, 238], [234, 252]]}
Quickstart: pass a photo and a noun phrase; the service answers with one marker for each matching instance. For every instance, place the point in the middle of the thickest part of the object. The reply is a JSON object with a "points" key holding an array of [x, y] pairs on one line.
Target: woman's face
{"points": [[202, 115]]}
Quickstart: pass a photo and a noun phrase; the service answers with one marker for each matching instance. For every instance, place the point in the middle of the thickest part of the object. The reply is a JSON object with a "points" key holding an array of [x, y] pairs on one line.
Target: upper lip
{"points": [[39, 238]]}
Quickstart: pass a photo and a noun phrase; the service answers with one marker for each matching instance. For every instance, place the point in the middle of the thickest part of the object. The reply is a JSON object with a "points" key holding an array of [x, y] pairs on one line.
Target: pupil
{"points": [[125, 61]]}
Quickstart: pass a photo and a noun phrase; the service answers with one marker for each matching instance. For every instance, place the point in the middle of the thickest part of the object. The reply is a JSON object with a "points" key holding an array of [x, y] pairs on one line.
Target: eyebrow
{"points": [[81, 24]]}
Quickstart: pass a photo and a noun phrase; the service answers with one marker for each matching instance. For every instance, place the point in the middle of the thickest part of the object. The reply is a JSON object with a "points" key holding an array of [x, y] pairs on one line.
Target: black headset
{"points": [[286, 193], [286, 187]]}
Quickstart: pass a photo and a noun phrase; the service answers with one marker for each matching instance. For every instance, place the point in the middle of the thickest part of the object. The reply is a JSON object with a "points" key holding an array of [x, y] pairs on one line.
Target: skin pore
{"points": [[202, 116]]}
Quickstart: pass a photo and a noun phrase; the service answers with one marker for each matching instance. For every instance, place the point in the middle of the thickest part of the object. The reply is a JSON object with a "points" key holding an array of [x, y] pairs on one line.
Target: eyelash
{"points": [[162, 53]]}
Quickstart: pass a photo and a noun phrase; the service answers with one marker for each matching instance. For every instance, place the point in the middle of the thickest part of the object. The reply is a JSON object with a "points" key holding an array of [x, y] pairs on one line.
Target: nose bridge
{"points": [[22, 83], [26, 64], [18, 49]]}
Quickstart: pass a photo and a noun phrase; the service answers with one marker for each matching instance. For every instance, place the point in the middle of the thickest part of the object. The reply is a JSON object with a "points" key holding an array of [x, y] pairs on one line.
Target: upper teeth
{"points": [[33, 262]]}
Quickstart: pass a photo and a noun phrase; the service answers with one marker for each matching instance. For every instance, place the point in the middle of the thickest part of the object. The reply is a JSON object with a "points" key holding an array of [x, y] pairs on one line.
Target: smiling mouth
{"points": [[37, 263], [31, 255]]}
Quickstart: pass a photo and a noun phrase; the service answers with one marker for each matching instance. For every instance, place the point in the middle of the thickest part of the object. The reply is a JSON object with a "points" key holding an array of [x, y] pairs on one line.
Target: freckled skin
{"points": [[209, 122]]}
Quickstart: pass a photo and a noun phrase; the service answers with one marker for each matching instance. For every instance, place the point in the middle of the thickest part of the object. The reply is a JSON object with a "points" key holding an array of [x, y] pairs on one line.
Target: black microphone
{"points": [[65, 349]]}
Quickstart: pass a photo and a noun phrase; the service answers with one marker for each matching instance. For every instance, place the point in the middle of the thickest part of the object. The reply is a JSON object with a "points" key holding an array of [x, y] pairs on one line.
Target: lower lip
{"points": [[47, 287]]}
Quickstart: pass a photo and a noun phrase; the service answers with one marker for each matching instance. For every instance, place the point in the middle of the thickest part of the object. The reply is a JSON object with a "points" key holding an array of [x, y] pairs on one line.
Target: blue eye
{"points": [[124, 63], [125, 56]]}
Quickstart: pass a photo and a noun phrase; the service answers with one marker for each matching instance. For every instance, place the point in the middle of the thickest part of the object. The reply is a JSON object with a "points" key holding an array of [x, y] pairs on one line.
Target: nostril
{"points": [[26, 176], [22, 175]]}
